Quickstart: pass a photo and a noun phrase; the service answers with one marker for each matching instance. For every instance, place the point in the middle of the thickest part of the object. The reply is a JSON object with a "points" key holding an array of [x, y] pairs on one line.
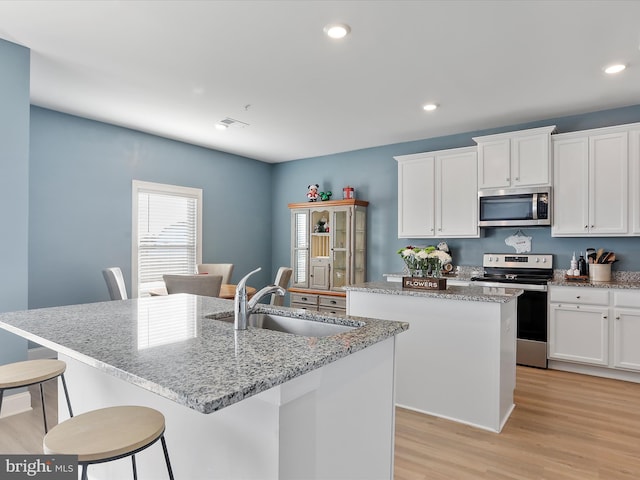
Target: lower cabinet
{"points": [[319, 303], [579, 333], [595, 326], [626, 330]]}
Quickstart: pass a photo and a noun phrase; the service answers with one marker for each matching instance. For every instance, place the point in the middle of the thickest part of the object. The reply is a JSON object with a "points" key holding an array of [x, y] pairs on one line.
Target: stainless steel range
{"points": [[531, 273]]}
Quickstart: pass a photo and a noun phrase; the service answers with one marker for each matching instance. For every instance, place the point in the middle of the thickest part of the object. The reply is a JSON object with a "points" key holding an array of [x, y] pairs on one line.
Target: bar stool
{"points": [[108, 434], [32, 372]]}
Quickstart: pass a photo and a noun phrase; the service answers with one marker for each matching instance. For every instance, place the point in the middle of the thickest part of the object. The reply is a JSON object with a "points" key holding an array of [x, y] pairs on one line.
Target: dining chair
{"points": [[224, 269], [282, 280], [205, 285], [115, 283]]}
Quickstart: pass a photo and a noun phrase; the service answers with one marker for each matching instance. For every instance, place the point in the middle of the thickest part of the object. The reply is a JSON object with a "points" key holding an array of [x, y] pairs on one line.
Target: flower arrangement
{"points": [[425, 261]]}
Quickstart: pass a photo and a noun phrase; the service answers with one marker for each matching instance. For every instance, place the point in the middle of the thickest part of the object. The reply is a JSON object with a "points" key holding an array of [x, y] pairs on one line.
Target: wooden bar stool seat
{"points": [[32, 372], [108, 434]]}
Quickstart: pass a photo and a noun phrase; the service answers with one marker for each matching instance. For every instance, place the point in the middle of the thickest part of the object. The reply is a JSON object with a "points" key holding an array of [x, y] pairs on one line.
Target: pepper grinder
{"points": [[582, 265]]}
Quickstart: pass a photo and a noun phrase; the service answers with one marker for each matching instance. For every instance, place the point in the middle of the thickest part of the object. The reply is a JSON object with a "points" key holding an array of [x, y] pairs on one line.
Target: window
{"points": [[167, 233]]}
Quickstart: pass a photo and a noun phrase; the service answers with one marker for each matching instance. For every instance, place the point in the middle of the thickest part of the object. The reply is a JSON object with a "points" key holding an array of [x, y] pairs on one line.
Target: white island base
{"points": [[457, 360], [333, 422]]}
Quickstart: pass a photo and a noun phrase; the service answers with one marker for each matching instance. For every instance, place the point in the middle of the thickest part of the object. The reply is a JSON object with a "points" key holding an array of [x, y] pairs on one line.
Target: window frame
{"points": [[139, 186]]}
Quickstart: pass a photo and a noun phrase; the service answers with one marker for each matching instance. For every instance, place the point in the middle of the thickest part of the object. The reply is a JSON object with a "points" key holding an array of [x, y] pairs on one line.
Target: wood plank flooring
{"points": [[565, 427]]}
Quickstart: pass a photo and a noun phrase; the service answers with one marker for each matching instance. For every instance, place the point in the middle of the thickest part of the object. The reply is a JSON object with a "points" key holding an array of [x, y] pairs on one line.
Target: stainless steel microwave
{"points": [[514, 207]]}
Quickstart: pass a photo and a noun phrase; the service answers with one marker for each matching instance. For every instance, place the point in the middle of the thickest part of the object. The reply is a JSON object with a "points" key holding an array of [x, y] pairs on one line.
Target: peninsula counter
{"points": [[458, 359], [252, 404]]}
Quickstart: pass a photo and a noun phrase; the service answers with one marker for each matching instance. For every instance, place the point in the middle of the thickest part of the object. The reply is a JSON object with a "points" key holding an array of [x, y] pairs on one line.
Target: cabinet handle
{"points": [[586, 226], [591, 226], [304, 299], [577, 296], [333, 302], [507, 179], [440, 229], [604, 316], [517, 179], [618, 317]]}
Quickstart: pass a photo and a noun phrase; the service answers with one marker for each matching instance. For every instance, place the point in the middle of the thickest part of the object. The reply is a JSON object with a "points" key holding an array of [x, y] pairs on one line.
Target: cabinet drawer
{"points": [[332, 310], [581, 295], [304, 306], [626, 298], [304, 298], [333, 302]]}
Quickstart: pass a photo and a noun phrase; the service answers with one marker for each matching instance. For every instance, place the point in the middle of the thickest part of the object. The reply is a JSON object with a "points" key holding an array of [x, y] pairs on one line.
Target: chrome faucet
{"points": [[242, 307]]}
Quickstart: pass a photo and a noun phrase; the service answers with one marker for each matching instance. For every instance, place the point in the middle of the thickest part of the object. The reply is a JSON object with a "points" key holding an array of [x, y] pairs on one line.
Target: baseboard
{"points": [[604, 372], [16, 403]]}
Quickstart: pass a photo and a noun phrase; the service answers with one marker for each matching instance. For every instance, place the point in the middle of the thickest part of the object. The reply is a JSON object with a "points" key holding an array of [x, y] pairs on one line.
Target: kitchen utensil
{"points": [[602, 257], [599, 253]]}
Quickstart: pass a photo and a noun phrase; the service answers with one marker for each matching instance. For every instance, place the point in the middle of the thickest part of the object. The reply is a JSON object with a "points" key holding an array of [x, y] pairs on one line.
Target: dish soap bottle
{"points": [[582, 266], [574, 265]]}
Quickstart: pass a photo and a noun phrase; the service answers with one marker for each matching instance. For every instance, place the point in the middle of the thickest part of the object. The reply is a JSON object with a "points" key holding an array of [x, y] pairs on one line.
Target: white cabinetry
{"points": [[515, 159], [579, 325], [591, 328], [634, 177], [626, 329], [438, 194], [591, 172]]}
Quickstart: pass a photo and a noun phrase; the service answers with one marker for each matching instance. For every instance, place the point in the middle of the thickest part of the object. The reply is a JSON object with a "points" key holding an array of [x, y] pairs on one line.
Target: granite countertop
{"points": [[622, 280], [170, 346], [453, 292]]}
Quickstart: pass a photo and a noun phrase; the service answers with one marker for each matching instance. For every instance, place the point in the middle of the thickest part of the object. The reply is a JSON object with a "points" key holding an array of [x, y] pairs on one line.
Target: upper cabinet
{"points": [[515, 159], [591, 183], [438, 194]]}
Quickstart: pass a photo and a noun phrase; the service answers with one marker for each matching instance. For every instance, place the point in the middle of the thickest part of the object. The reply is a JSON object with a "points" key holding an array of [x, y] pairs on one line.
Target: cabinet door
{"points": [[626, 338], [494, 164], [300, 248], [340, 248], [579, 333], [416, 204], [457, 195], [320, 247], [530, 160], [634, 183], [359, 261], [608, 184], [571, 187]]}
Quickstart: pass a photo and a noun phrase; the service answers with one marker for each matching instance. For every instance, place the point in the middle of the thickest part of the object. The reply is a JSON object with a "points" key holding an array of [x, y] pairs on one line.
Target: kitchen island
{"points": [[458, 359], [252, 404]]}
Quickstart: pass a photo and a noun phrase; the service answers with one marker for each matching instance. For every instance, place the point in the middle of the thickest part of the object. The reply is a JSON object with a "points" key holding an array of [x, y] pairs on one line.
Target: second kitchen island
{"points": [[458, 360]]}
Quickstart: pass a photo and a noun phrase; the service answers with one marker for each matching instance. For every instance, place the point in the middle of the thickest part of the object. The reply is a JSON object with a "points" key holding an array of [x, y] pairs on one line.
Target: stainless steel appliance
{"points": [[514, 207], [531, 273]]}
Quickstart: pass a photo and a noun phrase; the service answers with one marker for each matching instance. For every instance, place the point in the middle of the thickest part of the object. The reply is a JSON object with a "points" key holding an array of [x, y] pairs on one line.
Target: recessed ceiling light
{"points": [[617, 68], [221, 126], [337, 30], [430, 107]]}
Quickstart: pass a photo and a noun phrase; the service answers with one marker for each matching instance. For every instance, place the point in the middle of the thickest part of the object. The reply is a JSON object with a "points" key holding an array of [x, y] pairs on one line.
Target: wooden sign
{"points": [[424, 283]]}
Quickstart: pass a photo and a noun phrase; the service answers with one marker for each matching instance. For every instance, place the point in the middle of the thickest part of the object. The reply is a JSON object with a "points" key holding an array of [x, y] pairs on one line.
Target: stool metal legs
{"points": [[133, 460]]}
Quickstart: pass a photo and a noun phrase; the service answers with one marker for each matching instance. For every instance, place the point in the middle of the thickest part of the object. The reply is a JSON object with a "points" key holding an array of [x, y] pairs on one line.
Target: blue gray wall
{"points": [[80, 204], [14, 190], [373, 172]]}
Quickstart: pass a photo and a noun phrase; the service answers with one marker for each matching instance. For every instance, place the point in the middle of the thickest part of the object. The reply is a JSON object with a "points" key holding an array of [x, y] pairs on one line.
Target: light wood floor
{"points": [[565, 427]]}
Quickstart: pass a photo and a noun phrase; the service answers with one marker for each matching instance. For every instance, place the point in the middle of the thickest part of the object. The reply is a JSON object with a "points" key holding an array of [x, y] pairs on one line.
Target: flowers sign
{"points": [[424, 262]]}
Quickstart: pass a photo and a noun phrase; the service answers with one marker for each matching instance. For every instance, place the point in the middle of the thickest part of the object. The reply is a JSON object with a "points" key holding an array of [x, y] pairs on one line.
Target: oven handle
{"points": [[522, 286]]}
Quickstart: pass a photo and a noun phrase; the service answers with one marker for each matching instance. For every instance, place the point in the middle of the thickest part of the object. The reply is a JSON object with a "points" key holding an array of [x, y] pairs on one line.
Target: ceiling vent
{"points": [[233, 123]]}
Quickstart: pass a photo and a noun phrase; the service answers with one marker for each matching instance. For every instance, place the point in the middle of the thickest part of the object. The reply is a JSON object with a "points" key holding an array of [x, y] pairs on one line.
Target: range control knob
{"points": [[537, 260]]}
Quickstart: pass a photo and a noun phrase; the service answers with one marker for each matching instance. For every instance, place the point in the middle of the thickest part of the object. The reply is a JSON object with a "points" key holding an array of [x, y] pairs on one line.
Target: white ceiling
{"points": [[176, 68]]}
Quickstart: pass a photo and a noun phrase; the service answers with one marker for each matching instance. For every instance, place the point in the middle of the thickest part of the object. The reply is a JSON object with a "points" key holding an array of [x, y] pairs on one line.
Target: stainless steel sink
{"points": [[295, 326]]}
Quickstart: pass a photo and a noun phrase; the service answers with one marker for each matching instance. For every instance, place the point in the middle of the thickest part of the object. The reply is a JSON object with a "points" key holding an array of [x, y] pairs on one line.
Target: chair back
{"points": [[115, 283], [205, 285], [282, 279], [223, 269]]}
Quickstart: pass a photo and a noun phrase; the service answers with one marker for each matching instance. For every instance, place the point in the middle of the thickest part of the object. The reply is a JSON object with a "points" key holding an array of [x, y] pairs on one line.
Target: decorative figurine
{"points": [[324, 196], [312, 193]]}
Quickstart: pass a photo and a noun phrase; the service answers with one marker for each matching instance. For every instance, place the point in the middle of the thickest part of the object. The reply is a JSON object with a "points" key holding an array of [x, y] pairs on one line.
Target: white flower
{"points": [[422, 254], [408, 252], [444, 257]]}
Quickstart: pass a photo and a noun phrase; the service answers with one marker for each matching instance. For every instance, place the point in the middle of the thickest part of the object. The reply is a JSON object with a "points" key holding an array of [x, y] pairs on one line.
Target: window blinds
{"points": [[167, 237]]}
